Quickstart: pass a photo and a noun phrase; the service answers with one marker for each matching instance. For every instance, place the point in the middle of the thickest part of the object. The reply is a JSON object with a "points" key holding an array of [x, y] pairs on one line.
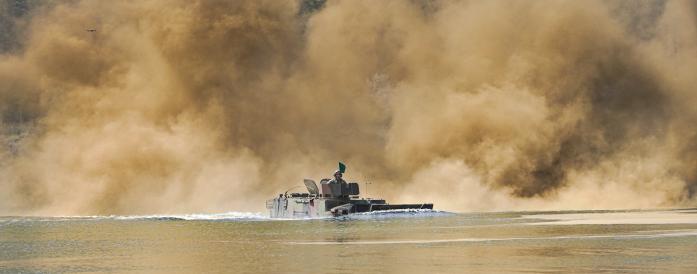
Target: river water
{"points": [[655, 241]]}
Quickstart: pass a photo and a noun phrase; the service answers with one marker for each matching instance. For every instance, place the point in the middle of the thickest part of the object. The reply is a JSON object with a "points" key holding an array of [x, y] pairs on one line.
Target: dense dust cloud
{"points": [[137, 107]]}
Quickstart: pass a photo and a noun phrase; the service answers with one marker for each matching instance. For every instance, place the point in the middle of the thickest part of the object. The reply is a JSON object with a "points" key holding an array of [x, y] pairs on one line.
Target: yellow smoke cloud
{"points": [[189, 106]]}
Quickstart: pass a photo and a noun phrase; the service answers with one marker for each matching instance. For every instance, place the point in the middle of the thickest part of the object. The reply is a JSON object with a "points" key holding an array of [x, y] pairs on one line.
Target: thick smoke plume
{"points": [[123, 107]]}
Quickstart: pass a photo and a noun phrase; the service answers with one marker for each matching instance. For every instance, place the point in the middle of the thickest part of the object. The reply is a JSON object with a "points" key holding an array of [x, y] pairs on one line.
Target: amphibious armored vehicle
{"points": [[335, 198]]}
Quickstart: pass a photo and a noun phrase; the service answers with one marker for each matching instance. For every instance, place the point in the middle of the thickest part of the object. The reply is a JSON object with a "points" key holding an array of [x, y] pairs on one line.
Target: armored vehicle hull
{"points": [[336, 199]]}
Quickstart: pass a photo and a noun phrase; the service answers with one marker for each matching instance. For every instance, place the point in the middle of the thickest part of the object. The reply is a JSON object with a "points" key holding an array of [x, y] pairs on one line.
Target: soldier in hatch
{"points": [[337, 178], [335, 187]]}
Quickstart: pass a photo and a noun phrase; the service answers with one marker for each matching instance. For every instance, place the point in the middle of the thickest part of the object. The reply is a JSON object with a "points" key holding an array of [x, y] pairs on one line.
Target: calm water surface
{"points": [[388, 242]]}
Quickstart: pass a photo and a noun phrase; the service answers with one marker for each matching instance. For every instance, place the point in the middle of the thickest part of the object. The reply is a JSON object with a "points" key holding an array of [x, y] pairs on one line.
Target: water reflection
{"points": [[474, 243]]}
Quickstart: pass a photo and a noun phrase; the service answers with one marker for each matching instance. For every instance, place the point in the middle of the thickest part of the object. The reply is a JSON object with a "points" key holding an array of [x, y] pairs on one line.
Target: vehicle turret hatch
{"points": [[311, 187]]}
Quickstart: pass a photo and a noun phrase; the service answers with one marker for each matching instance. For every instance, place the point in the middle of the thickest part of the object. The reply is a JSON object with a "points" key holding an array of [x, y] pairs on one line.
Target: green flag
{"points": [[342, 167]]}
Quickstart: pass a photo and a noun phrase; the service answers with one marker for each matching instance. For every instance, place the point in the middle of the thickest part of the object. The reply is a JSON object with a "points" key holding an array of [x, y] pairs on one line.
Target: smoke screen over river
{"points": [[145, 107]]}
